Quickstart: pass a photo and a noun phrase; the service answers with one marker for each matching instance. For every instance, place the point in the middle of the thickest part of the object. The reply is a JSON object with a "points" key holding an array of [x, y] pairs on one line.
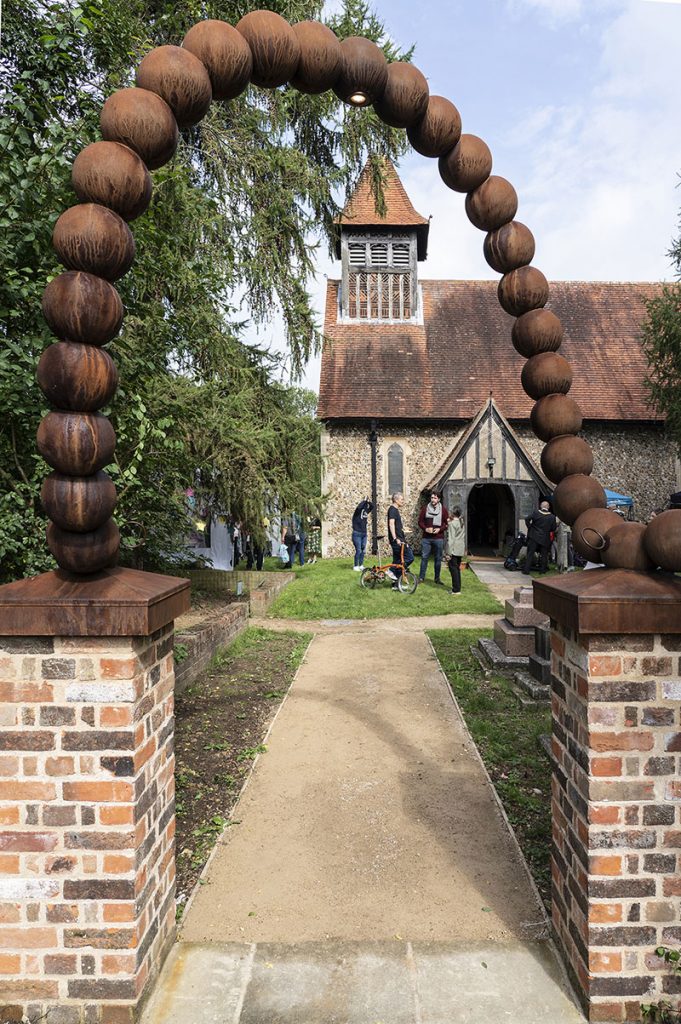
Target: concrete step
{"points": [[514, 641], [534, 690], [520, 614], [540, 670], [490, 655], [523, 595]]}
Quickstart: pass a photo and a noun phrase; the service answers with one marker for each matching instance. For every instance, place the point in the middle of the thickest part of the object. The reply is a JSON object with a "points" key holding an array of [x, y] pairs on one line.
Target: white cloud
{"points": [[553, 10]]}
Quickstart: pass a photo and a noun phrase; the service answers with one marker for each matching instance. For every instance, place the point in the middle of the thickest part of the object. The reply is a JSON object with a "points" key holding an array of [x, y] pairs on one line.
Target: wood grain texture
{"points": [[179, 78], [662, 540], [274, 46], [438, 131], [566, 455], [509, 247], [492, 204], [467, 165], [143, 121], [224, 53], [555, 415], [546, 374], [405, 97], [112, 175], [537, 331], [82, 307], [85, 553], [320, 58], [94, 239], [79, 503], [523, 289], [575, 494], [77, 444], [364, 69], [80, 378]]}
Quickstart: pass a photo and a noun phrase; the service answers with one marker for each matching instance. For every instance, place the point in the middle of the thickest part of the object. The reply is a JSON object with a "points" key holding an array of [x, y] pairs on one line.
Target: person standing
{"points": [[455, 548], [540, 525], [293, 537], [397, 538], [433, 519], [360, 518]]}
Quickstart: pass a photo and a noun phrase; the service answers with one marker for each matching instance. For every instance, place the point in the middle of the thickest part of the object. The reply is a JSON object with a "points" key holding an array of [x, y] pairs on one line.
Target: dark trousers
{"points": [[436, 546], [543, 549], [293, 546], [397, 553], [254, 554], [455, 570]]}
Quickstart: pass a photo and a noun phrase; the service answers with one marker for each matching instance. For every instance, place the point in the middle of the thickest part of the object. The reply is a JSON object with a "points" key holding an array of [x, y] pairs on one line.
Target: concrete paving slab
{"points": [[202, 985], [372, 627]]}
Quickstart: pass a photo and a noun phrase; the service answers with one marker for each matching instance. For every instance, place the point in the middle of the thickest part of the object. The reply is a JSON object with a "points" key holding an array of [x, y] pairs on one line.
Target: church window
{"points": [[380, 280], [395, 469]]}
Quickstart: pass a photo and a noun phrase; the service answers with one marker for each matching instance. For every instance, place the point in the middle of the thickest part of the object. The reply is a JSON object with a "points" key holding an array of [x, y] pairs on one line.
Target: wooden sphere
{"points": [[81, 378], [85, 553], [492, 204], [363, 74], [662, 540], [523, 289], [540, 330], [224, 53], [143, 121], [509, 247], [589, 530], [320, 58], [179, 78], [112, 175], [82, 307], [625, 547], [467, 165], [566, 455], [92, 238], [546, 374], [274, 45], [575, 494], [78, 503], [438, 131], [405, 97], [77, 444], [555, 415]]}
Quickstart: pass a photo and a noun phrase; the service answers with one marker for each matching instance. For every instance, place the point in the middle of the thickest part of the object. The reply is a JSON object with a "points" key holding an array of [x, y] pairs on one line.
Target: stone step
{"points": [[490, 655], [536, 691], [540, 670], [523, 595], [514, 641], [520, 614], [542, 642]]}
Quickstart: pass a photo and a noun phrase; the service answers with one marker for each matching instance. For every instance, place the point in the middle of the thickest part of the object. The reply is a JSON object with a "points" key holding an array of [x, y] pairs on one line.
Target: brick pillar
{"points": [[616, 678], [87, 869]]}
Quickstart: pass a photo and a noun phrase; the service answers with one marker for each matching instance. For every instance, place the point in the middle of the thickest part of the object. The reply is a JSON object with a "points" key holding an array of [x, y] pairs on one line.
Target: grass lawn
{"points": [[330, 589], [507, 735]]}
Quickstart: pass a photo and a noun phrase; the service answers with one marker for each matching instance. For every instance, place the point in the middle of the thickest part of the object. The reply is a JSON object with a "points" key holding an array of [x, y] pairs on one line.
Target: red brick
{"points": [[606, 963], [10, 963], [605, 665], [602, 741], [9, 864], [28, 842], [118, 964], [98, 792], [605, 913], [601, 864], [119, 864], [122, 913], [28, 938], [63, 963], [606, 766], [604, 814], [116, 815], [39, 791], [115, 717], [60, 766], [26, 692], [118, 668]]}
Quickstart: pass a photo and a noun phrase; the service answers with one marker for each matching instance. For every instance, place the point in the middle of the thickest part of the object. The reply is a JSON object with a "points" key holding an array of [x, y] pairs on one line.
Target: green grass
{"points": [[507, 736], [329, 589]]}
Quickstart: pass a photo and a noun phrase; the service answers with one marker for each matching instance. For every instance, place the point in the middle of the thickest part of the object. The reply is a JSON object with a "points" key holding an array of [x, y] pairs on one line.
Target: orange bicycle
{"points": [[374, 574]]}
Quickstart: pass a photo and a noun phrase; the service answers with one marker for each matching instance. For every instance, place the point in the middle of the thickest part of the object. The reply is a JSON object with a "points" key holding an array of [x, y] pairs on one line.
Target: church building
{"points": [[420, 386]]}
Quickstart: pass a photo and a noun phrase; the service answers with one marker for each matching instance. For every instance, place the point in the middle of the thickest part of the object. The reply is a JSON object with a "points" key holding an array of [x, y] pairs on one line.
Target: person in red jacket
{"points": [[433, 519]]}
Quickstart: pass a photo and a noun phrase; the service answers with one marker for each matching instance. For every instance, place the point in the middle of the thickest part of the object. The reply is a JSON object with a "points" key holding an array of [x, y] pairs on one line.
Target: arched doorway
{"points": [[490, 519]]}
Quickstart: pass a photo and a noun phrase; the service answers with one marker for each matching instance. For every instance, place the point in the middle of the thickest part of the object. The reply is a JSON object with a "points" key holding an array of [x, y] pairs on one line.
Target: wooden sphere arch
{"points": [[662, 540], [274, 46], [538, 330], [522, 290], [589, 530], [438, 131], [492, 204], [82, 307], [363, 72], [405, 97], [320, 58], [143, 121], [555, 415], [625, 547], [76, 444], [79, 378], [112, 175], [546, 374], [179, 78], [575, 494], [93, 238], [79, 504], [84, 553], [467, 165], [224, 53], [566, 455], [509, 247]]}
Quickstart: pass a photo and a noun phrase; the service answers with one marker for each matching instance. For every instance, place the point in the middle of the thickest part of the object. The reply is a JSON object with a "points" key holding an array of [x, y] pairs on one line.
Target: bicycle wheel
{"points": [[406, 584], [368, 579]]}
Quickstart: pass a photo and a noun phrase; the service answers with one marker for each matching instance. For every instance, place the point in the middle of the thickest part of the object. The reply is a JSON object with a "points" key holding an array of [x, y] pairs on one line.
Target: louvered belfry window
{"points": [[379, 282]]}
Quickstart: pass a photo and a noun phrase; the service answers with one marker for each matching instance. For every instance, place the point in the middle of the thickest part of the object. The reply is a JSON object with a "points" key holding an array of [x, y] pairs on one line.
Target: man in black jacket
{"points": [[540, 525]]}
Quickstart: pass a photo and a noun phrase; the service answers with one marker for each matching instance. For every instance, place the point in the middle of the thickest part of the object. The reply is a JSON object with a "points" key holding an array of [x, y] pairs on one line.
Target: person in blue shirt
{"points": [[360, 518]]}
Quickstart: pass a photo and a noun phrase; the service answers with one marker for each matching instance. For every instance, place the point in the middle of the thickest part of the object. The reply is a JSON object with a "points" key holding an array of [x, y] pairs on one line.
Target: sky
{"points": [[579, 102]]}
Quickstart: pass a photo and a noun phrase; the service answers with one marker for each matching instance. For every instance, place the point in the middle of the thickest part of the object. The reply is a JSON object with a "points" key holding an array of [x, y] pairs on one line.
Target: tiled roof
{"points": [[360, 210], [448, 368]]}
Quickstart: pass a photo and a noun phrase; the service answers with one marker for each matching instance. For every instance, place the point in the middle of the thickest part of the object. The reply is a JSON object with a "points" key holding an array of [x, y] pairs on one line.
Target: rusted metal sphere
{"points": [[224, 53], [81, 378], [77, 444], [363, 74], [546, 374], [625, 547], [112, 175], [179, 78], [85, 553], [79, 503], [492, 204], [555, 415], [274, 45], [540, 330], [92, 238], [467, 165], [405, 98], [589, 530], [509, 247], [320, 57], [82, 307], [523, 289], [662, 540], [143, 121], [438, 131], [575, 494], [566, 455]]}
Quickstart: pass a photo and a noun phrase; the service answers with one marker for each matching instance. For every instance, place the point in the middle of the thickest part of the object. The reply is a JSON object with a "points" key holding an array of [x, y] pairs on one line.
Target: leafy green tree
{"points": [[229, 239], [662, 346]]}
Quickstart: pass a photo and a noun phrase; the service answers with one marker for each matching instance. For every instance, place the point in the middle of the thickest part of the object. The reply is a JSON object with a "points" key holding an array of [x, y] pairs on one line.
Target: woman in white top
{"points": [[455, 548]]}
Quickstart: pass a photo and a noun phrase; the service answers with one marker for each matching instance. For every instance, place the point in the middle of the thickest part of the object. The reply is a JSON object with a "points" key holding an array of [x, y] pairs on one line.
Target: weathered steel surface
{"points": [[575, 494], [438, 131], [509, 247], [405, 97], [112, 175], [624, 548], [82, 307], [522, 290], [81, 378], [320, 57], [467, 165], [274, 45], [537, 331], [663, 540], [85, 553], [555, 415], [77, 444], [589, 530], [178, 77], [363, 72], [547, 373], [78, 503], [115, 602], [566, 455], [492, 204], [142, 120], [93, 238], [224, 53]]}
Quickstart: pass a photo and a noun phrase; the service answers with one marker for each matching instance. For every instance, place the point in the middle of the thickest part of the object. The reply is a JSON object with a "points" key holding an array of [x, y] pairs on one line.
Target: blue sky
{"points": [[579, 101]]}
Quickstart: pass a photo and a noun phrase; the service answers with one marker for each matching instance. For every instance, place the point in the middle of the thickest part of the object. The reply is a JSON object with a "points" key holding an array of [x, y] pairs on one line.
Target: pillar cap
{"points": [[114, 602], [612, 601]]}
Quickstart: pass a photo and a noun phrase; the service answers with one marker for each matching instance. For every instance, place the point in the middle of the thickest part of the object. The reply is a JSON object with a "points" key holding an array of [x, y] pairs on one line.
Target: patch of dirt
{"points": [[204, 606], [221, 721]]}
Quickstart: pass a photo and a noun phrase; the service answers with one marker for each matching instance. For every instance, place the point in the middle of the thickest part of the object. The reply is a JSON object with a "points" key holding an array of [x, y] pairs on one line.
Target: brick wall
{"points": [[261, 587], [617, 816], [86, 824], [200, 644]]}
